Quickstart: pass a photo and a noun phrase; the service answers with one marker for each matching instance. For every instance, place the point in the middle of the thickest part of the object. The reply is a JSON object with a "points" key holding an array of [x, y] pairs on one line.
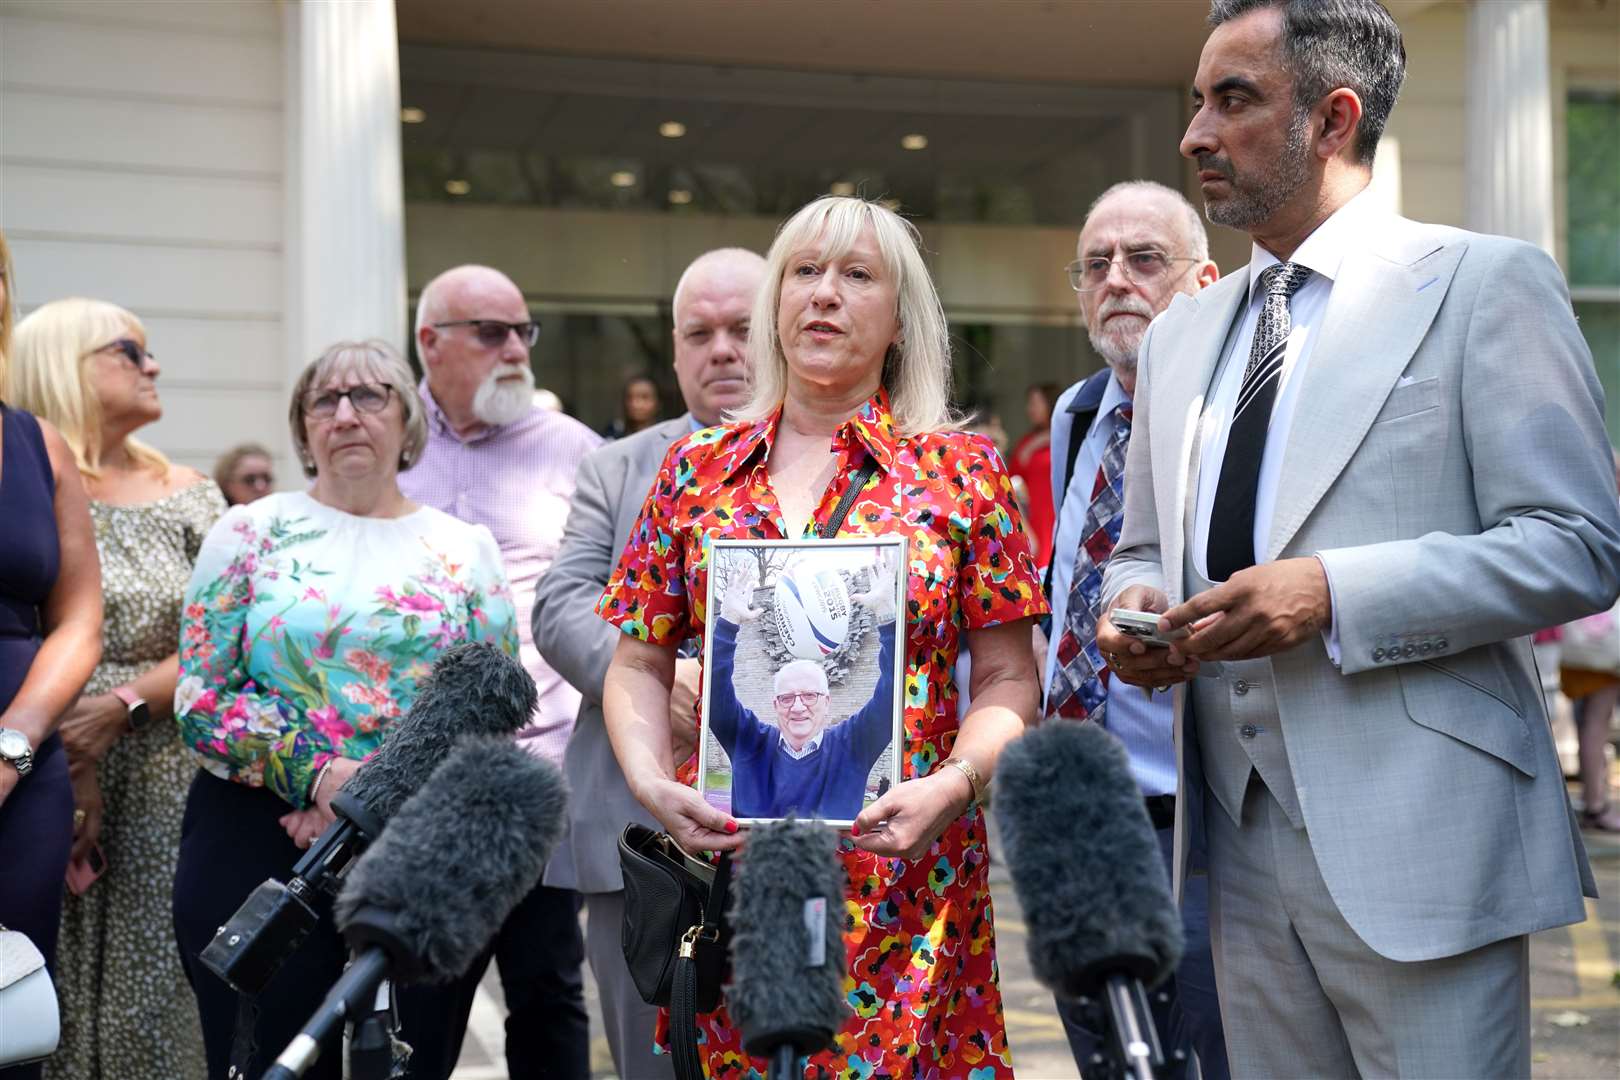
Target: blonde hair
{"points": [[916, 369], [8, 310], [49, 376], [376, 360]]}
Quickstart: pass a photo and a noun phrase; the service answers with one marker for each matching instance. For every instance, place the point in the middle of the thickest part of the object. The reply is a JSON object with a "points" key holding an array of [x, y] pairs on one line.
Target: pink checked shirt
{"points": [[518, 480]]}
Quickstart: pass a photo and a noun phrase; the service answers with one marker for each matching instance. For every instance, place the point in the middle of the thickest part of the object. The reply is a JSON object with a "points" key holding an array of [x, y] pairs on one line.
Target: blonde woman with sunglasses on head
{"points": [[83, 365]]}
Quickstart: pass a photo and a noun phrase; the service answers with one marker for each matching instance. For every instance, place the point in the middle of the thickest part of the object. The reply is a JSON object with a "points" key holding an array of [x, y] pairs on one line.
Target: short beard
{"points": [[1120, 349], [498, 403], [1254, 201]]}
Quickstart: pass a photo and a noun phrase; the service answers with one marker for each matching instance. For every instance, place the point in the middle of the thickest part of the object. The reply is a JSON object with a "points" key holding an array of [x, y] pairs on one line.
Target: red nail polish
{"points": [[731, 826], [854, 830]]}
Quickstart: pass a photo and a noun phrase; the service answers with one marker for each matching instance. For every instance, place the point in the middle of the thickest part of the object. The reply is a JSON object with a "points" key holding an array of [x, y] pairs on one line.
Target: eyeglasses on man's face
{"points": [[363, 398], [1140, 268], [133, 351], [491, 333], [807, 697]]}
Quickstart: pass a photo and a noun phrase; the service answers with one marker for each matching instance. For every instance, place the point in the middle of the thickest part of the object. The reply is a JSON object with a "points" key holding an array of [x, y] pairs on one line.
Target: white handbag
{"points": [[30, 1025]]}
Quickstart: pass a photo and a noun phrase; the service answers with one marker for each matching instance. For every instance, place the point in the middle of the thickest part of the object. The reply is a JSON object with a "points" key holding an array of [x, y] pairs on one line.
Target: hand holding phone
{"points": [[1144, 627], [82, 873]]}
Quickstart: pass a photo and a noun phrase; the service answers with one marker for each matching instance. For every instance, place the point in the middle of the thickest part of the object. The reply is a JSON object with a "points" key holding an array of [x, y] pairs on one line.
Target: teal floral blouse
{"points": [[307, 630]]}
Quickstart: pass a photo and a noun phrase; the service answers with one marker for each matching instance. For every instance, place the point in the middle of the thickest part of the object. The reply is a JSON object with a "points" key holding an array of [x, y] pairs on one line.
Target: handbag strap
{"points": [[683, 994], [862, 476]]}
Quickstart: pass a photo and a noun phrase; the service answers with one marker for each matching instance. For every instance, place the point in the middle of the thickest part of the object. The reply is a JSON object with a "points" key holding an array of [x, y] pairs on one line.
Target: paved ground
{"points": [[1574, 973]]}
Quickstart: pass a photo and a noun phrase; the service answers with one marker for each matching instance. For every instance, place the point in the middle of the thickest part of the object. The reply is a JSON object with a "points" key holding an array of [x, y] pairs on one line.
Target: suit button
{"points": [[1378, 654], [1248, 731], [1240, 687], [1426, 648], [1410, 650], [1441, 644]]}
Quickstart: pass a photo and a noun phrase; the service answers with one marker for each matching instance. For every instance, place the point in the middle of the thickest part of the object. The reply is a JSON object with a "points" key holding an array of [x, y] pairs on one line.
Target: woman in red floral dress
{"points": [[850, 359]]}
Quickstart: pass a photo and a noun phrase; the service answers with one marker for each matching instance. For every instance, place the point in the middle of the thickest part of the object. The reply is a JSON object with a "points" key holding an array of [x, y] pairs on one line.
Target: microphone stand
{"points": [[353, 995], [785, 1063], [1130, 1042]]}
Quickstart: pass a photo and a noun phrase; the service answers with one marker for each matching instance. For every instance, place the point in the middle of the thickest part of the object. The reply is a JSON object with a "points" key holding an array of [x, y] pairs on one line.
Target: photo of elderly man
{"points": [[801, 760]]}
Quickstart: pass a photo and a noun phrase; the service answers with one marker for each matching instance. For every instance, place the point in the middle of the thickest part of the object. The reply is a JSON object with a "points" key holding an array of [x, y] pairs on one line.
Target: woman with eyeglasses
{"points": [[83, 366], [309, 622], [50, 640], [244, 473]]}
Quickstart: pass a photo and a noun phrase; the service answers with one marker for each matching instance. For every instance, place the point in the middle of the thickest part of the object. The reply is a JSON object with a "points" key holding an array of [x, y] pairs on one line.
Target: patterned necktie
{"points": [[1079, 678], [1231, 521]]}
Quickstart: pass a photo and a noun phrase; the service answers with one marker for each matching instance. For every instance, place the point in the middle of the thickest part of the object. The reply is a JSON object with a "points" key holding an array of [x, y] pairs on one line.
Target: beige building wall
{"points": [[1430, 122], [141, 162]]}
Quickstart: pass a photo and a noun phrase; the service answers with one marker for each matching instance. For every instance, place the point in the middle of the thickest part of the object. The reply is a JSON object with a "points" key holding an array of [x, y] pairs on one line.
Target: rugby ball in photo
{"points": [[812, 612]]}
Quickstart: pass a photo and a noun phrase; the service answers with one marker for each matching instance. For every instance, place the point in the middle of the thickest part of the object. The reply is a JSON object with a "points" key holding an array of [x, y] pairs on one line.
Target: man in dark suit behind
{"points": [[712, 304]]}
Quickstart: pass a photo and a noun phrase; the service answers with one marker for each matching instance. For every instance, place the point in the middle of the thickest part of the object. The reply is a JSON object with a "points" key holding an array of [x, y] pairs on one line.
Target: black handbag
{"points": [[675, 937]]}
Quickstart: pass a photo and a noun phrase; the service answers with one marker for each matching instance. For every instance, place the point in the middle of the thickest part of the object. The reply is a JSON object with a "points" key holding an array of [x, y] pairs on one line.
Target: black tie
{"points": [[1231, 521]]}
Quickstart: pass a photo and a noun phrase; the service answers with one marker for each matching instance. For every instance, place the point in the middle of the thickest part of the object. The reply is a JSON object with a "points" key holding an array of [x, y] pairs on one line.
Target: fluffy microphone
{"points": [[474, 689], [425, 900], [787, 943], [1087, 868]]}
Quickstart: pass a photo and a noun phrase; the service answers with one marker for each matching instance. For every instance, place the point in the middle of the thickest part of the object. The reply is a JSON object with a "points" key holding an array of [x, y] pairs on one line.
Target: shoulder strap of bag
{"points": [[862, 476], [683, 994]]}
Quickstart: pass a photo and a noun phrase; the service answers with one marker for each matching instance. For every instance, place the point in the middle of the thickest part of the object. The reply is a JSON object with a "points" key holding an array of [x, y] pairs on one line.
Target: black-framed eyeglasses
{"points": [[363, 398], [133, 351], [1140, 268], [492, 332]]}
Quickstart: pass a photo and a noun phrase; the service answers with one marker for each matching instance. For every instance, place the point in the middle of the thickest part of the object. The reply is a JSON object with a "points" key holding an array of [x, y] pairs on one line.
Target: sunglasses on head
{"points": [[492, 333], [133, 351]]}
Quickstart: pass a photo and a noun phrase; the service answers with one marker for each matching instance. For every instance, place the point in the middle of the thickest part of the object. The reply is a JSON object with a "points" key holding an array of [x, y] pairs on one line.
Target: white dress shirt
{"points": [[1141, 720], [1349, 228]]}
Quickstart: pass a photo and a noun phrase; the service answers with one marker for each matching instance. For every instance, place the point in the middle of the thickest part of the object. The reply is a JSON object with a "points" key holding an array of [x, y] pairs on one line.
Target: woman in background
{"points": [[50, 640], [310, 620], [1031, 464], [83, 365], [639, 407], [244, 473]]}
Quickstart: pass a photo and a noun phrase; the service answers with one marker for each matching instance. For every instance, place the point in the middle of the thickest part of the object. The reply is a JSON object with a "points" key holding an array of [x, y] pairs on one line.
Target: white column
{"points": [[1509, 157], [345, 231]]}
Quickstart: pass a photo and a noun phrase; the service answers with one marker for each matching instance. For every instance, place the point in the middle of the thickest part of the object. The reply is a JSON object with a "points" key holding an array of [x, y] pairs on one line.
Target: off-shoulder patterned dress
{"points": [[126, 1006], [922, 982]]}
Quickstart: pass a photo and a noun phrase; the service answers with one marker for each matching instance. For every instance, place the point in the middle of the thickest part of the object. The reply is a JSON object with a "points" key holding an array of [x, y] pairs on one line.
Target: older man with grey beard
{"points": [[494, 458], [1142, 244]]}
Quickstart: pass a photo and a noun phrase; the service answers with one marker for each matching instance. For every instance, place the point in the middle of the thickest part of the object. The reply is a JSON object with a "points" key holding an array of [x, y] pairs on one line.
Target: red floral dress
{"points": [[922, 982]]}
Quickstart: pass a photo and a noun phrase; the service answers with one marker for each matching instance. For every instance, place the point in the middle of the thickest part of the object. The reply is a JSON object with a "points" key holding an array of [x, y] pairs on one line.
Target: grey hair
{"points": [[916, 369], [1192, 222], [374, 359], [799, 665], [1328, 44]]}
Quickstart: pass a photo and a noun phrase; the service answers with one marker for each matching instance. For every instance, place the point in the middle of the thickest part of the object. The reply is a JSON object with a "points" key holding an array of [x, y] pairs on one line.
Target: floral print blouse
{"points": [[921, 981], [306, 631]]}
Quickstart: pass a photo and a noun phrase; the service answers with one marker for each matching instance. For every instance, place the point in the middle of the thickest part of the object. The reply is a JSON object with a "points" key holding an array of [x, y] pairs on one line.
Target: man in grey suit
{"points": [[1362, 472], [712, 305]]}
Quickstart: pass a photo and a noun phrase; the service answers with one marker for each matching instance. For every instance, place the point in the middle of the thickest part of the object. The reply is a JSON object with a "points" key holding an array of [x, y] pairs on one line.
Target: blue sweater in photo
{"points": [[767, 781]]}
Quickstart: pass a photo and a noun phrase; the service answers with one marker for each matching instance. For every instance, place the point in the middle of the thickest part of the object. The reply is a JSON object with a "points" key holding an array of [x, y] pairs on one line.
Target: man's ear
{"points": [[1337, 118], [1207, 274], [425, 337]]}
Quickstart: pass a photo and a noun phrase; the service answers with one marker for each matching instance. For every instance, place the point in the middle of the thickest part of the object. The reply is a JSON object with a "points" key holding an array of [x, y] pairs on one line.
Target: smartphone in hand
{"points": [[82, 873], [1144, 627]]}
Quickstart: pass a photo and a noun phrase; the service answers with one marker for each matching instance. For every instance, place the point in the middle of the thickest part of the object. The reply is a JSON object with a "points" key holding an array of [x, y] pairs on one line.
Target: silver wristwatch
{"points": [[14, 748]]}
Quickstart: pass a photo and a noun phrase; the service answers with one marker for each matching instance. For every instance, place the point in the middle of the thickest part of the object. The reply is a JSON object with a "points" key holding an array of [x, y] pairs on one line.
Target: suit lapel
{"points": [[1179, 403], [1381, 307]]}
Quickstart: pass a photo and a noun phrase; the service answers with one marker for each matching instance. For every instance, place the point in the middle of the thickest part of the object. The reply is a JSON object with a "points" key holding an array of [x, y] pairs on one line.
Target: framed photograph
{"points": [[802, 671]]}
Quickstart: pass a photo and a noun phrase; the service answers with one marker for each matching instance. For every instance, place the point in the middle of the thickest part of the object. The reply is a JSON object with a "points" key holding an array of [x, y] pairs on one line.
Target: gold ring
{"points": [[78, 817]]}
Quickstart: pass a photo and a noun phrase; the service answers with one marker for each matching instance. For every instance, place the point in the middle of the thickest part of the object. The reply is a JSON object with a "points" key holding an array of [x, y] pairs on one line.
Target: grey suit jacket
{"points": [[611, 487], [1448, 462]]}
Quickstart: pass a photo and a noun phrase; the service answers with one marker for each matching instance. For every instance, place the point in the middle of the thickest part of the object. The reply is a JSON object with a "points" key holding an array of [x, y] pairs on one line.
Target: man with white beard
{"points": [[1141, 244], [494, 458]]}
